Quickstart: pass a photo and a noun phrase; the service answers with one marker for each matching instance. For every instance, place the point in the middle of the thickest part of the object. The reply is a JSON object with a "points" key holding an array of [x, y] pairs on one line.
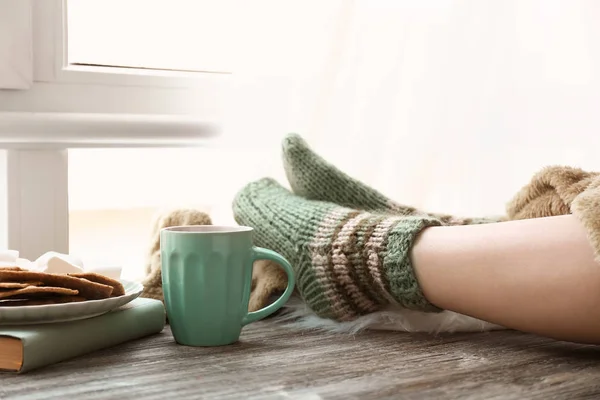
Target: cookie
{"points": [[34, 291], [18, 285], [118, 289], [85, 288]]}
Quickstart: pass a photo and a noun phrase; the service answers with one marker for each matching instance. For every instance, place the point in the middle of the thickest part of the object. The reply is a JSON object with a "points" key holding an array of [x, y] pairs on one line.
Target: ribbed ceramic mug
{"points": [[206, 280]]}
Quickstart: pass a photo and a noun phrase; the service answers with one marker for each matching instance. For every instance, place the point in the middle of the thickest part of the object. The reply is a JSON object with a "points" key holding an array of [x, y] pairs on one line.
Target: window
{"points": [[68, 105], [152, 34], [106, 99]]}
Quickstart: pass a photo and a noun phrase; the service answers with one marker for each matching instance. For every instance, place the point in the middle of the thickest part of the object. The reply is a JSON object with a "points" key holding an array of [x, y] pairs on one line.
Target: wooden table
{"points": [[274, 362]]}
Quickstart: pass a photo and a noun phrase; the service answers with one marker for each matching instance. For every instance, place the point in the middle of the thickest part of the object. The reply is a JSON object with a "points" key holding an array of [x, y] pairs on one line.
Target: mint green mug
{"points": [[206, 280]]}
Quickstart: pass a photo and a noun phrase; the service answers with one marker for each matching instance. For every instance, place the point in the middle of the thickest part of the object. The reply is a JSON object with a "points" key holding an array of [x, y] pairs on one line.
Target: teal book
{"points": [[27, 347]]}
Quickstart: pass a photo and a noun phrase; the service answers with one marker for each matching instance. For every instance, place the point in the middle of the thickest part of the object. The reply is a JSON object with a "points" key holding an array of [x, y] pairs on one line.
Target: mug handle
{"points": [[261, 253]]}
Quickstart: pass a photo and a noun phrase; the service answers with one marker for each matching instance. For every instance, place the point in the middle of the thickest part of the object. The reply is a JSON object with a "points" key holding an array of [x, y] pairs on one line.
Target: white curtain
{"points": [[446, 105]]}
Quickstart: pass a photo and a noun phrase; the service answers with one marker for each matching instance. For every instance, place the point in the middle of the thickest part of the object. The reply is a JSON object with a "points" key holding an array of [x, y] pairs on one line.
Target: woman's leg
{"points": [[536, 275]]}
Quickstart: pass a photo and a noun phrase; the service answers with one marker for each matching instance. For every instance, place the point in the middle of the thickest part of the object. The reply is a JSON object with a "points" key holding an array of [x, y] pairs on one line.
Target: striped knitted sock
{"points": [[314, 178], [347, 262]]}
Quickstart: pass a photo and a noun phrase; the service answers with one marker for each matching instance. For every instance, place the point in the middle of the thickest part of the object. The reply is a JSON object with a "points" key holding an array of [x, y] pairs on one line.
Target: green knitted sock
{"points": [[347, 262], [314, 178]]}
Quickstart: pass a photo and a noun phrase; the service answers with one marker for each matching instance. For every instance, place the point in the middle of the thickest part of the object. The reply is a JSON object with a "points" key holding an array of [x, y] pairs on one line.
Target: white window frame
{"points": [[67, 107], [16, 69]]}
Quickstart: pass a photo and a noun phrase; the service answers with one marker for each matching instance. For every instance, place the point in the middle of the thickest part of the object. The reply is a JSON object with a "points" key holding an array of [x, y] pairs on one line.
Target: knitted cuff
{"points": [[153, 280]]}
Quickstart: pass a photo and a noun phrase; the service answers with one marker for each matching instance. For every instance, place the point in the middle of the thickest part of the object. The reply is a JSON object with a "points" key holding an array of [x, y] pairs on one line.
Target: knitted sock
{"points": [[347, 262], [314, 178]]}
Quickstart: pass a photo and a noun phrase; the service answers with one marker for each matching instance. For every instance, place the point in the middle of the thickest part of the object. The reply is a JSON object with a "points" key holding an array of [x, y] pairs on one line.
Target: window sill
{"points": [[75, 130]]}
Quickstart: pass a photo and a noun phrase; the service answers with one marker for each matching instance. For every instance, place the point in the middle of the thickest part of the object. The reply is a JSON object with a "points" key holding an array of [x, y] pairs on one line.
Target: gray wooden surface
{"points": [[272, 362]]}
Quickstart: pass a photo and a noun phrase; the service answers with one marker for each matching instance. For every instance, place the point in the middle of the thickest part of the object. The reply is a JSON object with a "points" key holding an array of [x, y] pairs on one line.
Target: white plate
{"points": [[48, 313]]}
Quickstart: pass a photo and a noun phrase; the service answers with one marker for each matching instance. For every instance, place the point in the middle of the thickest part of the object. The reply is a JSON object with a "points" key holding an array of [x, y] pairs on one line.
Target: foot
{"points": [[312, 177], [347, 262]]}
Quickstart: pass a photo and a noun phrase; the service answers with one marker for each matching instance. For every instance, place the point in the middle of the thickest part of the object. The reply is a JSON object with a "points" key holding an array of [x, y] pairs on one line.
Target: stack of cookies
{"points": [[22, 287]]}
